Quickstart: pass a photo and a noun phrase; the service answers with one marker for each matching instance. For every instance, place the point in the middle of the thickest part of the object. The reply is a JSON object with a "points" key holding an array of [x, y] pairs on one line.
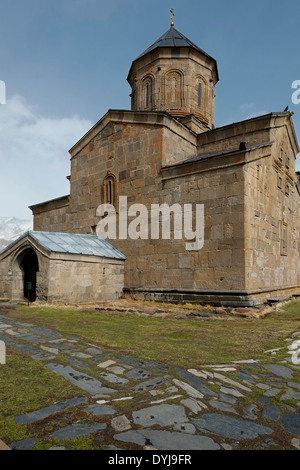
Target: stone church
{"points": [[166, 152]]}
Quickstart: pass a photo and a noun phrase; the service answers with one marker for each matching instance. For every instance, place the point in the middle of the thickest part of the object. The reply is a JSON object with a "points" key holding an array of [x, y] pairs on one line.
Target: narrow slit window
{"points": [[199, 91], [110, 189], [147, 95], [284, 237]]}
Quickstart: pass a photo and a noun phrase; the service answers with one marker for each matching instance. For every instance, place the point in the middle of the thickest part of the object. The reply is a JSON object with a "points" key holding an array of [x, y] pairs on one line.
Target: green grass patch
{"points": [[176, 342], [25, 386]]}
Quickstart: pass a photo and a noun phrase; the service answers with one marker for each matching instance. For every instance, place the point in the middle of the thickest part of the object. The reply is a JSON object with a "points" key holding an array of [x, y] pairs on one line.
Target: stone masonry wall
{"points": [[134, 154], [79, 280], [272, 218]]}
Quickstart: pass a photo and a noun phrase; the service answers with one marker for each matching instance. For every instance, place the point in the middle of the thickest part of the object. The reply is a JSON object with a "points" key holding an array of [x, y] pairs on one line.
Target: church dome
{"points": [[176, 76]]}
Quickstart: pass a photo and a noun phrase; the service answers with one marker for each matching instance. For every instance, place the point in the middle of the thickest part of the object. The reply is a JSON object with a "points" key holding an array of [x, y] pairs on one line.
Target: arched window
{"points": [[199, 93], [147, 95], [147, 89], [174, 89], [110, 189]]}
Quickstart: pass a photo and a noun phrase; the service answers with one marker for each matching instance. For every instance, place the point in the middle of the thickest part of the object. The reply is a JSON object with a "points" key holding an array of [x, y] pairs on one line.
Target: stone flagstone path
{"points": [[135, 404]]}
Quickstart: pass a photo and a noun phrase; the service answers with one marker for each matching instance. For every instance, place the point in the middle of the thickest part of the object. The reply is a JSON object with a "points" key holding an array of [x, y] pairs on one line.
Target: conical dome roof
{"points": [[172, 38]]}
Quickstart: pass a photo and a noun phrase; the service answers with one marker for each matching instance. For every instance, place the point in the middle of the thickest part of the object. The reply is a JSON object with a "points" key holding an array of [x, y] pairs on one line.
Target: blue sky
{"points": [[65, 63]]}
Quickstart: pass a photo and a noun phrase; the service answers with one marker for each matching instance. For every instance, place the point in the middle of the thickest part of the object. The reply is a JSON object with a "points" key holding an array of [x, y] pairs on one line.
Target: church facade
{"points": [[166, 152]]}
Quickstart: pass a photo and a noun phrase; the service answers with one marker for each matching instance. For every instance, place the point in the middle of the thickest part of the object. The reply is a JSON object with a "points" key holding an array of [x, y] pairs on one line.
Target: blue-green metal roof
{"points": [[73, 243]]}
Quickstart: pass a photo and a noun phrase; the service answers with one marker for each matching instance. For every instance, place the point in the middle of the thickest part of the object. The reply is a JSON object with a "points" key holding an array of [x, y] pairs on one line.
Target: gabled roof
{"points": [[72, 243], [172, 38]]}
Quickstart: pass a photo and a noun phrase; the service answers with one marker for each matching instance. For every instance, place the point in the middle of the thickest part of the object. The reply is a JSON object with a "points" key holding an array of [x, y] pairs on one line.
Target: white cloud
{"points": [[244, 108], [34, 158]]}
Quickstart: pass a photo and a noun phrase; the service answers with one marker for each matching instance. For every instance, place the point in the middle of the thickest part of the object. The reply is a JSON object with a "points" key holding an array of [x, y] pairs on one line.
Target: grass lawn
{"points": [[26, 385], [176, 342]]}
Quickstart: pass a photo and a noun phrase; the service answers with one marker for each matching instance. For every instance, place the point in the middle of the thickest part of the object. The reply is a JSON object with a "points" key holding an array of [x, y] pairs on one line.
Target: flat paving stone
{"points": [[26, 349], [50, 350], [249, 411], [49, 410], [139, 374], [188, 428], [163, 400], [164, 415], [143, 364], [263, 400], [120, 423], [272, 392], [33, 339], [231, 427], [105, 364], [271, 412], [221, 406], [296, 443], [112, 378], [78, 430], [83, 381], [245, 376], [117, 370], [192, 404], [188, 389], [150, 384], [61, 346], [99, 358], [227, 398], [167, 440], [291, 422], [12, 332], [234, 383], [281, 371], [80, 355], [290, 394], [294, 385], [197, 383], [40, 330], [231, 391], [42, 357], [24, 444], [100, 410], [7, 340], [94, 351], [58, 448], [77, 363]]}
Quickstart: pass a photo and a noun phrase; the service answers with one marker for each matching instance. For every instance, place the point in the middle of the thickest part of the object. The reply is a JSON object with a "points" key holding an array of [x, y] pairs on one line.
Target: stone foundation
{"points": [[214, 298]]}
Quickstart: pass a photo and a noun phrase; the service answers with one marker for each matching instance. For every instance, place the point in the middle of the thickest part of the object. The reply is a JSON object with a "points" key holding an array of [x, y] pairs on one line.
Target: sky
{"points": [[64, 64]]}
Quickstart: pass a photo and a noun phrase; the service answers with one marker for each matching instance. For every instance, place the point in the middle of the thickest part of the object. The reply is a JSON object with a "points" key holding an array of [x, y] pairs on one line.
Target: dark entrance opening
{"points": [[30, 267]]}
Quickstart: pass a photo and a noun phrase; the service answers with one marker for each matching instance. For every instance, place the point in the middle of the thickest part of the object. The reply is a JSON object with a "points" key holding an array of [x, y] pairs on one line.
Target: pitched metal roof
{"points": [[73, 243], [172, 38], [221, 153]]}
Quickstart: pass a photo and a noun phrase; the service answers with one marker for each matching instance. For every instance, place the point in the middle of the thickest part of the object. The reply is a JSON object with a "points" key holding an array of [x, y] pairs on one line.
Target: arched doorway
{"points": [[29, 266]]}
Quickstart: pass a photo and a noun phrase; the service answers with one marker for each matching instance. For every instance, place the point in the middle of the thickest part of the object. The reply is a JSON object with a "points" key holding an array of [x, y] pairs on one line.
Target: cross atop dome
{"points": [[172, 16]]}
